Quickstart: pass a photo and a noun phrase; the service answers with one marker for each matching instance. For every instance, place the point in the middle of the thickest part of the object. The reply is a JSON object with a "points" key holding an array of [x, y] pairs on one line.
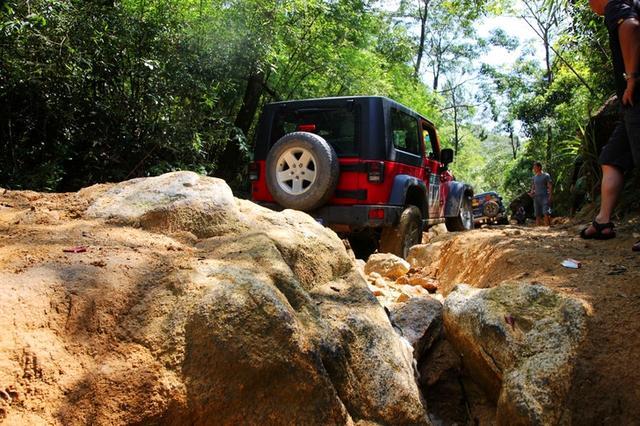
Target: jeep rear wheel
{"points": [[302, 171], [464, 220], [407, 233]]}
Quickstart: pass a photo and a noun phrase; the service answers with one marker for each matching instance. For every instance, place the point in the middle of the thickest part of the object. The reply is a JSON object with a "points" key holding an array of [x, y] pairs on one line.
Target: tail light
{"points": [[375, 171], [311, 128], [254, 171], [376, 214]]}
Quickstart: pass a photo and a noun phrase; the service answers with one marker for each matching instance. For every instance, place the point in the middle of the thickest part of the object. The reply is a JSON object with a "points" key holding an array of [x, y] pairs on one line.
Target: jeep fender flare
{"points": [[408, 189], [458, 191]]}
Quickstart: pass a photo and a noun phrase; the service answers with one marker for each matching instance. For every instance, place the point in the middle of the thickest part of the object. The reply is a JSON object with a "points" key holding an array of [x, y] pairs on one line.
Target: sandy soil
{"points": [[74, 324], [606, 386]]}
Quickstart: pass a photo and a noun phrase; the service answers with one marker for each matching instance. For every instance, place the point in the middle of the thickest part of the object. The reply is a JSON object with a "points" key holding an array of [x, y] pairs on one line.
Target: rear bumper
{"points": [[354, 217]]}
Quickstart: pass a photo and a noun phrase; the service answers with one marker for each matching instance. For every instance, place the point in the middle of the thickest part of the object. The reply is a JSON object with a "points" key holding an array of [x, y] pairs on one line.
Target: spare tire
{"points": [[491, 209], [302, 171]]}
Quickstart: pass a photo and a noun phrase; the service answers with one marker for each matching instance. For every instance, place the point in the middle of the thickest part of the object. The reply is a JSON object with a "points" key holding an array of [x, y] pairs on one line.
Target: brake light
{"points": [[375, 171], [306, 128], [376, 214], [254, 171]]}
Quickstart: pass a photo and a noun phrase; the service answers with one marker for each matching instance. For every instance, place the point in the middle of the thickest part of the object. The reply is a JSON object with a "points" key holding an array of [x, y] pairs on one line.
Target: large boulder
{"points": [[226, 313], [519, 341], [419, 321], [174, 201]]}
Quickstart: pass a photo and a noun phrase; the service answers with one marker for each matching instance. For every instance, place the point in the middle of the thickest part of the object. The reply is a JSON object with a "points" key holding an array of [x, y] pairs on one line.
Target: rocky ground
{"points": [[79, 364], [605, 380]]}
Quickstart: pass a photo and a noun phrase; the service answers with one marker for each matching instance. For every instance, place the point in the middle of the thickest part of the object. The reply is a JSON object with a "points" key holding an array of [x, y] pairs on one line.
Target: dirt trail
{"points": [[606, 386]]}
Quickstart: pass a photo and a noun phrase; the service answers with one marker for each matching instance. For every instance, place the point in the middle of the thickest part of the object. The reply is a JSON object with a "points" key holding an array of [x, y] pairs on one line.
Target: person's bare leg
{"points": [[547, 220], [612, 182]]}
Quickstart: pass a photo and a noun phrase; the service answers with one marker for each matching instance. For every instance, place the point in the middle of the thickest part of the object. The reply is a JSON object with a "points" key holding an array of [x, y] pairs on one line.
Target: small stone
{"points": [[402, 280], [413, 291], [402, 298], [374, 276], [387, 265], [427, 283], [380, 282]]}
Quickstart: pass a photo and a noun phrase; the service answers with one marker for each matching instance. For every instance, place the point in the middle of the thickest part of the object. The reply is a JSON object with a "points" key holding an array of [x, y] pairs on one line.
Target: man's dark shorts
{"points": [[623, 148], [541, 206]]}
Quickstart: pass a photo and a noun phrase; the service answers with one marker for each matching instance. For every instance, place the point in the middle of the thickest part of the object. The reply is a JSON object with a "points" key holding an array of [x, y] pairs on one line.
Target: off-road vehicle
{"points": [[363, 165], [488, 208]]}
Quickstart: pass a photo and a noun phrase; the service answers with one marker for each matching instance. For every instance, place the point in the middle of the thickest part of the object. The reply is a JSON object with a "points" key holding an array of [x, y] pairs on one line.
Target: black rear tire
{"points": [[407, 233]]}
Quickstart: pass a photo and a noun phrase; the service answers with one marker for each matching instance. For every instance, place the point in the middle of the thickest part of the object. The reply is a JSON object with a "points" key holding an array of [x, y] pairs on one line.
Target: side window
{"points": [[404, 130], [430, 141]]}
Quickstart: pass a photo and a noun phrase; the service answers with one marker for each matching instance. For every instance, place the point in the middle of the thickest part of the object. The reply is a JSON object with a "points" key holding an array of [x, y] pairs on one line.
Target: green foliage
{"points": [[103, 90]]}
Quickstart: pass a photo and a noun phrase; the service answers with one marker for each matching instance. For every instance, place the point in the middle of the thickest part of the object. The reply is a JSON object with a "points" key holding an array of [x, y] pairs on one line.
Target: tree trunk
{"points": [[423, 34], [514, 147], [456, 131], [547, 47], [231, 162], [549, 145]]}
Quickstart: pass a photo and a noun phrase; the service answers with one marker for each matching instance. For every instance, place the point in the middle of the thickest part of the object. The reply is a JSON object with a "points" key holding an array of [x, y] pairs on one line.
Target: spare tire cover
{"points": [[302, 171]]}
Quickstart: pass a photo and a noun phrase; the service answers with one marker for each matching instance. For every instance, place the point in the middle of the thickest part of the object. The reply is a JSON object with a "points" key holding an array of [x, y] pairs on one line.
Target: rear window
{"points": [[336, 125]]}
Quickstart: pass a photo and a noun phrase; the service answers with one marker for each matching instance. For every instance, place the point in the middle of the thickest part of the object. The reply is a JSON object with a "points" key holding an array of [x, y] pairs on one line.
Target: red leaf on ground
{"points": [[78, 249]]}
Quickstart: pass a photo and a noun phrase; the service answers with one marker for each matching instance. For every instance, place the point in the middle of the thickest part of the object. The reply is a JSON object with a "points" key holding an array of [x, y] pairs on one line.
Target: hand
{"points": [[627, 98]]}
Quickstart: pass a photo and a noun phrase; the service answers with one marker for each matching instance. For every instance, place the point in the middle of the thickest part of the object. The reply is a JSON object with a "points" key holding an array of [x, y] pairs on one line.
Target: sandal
{"points": [[636, 246], [599, 235]]}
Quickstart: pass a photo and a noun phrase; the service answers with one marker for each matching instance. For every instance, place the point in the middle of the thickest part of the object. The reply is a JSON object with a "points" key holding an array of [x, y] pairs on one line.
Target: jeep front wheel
{"points": [[407, 233], [464, 220], [302, 171]]}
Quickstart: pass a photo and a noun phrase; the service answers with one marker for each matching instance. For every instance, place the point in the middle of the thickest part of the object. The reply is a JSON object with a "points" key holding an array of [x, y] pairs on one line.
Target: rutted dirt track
{"points": [[606, 386]]}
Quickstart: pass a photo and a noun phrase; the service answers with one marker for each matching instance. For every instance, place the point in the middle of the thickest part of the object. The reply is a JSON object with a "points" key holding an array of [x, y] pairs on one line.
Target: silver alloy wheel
{"points": [[296, 170]]}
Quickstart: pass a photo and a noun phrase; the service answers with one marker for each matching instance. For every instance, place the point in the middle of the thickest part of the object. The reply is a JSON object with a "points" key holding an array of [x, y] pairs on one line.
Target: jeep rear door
{"points": [[338, 121]]}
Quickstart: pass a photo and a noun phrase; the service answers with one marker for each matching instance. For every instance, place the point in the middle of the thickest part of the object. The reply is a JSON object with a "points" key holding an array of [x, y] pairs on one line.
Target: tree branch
{"points": [[584, 83]]}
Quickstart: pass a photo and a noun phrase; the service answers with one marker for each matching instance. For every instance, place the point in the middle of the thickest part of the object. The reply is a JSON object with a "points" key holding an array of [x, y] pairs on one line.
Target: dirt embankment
{"points": [[605, 384]]}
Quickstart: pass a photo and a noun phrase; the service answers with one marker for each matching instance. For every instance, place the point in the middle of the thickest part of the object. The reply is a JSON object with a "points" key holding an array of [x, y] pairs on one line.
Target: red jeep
{"points": [[362, 165]]}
